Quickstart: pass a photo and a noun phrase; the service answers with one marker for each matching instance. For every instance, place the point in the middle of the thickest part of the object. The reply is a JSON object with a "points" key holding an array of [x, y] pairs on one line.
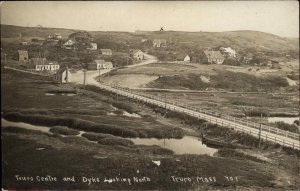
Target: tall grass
{"points": [[89, 126], [105, 139], [77, 124]]}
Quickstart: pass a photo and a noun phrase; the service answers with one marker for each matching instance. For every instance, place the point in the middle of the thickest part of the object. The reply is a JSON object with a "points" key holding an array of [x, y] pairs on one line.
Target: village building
{"points": [[159, 43], [108, 65], [107, 52], [99, 64], [23, 55], [24, 43], [95, 65], [55, 36], [213, 57], [63, 75], [228, 52], [93, 46], [187, 58], [138, 55], [69, 44], [41, 64]]}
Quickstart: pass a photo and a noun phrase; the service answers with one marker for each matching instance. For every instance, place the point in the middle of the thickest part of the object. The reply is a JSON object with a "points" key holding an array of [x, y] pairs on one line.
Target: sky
{"points": [[277, 17]]}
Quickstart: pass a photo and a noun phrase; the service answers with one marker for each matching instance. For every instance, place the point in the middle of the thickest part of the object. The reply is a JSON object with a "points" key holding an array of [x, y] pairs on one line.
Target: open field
{"points": [[202, 77]]}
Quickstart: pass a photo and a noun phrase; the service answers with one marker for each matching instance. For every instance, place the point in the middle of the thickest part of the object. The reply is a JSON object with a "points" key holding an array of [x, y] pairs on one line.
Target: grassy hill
{"points": [[179, 43], [11, 31]]}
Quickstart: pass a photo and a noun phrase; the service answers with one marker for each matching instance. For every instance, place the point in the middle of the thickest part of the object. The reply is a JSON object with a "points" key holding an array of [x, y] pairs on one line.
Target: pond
{"points": [[289, 120], [186, 145], [63, 94]]}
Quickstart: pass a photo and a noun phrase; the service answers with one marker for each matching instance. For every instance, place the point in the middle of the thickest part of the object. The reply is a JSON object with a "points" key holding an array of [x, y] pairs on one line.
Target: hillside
{"points": [[10, 31], [235, 39], [179, 43]]}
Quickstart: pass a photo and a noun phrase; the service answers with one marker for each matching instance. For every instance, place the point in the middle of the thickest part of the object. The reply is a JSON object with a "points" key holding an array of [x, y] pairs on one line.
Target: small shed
{"points": [[187, 58], [63, 75], [23, 55]]}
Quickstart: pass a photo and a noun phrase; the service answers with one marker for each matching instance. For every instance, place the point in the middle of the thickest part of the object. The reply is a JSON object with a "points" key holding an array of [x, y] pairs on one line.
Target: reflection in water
{"points": [[5, 123], [186, 145], [289, 120]]}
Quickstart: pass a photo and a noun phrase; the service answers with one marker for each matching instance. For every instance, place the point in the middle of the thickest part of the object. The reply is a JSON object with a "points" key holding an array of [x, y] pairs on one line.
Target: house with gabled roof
{"points": [[108, 65], [213, 57], [93, 46], [23, 55], [107, 52], [69, 44], [137, 54], [95, 65]]}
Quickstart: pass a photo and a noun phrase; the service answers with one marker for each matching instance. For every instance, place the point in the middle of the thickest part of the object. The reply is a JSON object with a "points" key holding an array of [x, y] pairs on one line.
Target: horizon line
{"points": [[139, 30]]}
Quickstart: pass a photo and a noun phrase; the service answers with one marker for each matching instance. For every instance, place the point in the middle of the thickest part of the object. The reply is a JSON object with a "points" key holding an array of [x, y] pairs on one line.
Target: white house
{"points": [[95, 65], [214, 57], [63, 75], [107, 65], [228, 52], [41, 64], [187, 59], [138, 55], [69, 44], [93, 46], [107, 52]]}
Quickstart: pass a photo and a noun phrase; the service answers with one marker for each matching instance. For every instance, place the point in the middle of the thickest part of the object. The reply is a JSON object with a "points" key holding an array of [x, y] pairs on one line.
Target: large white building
{"points": [[41, 64]]}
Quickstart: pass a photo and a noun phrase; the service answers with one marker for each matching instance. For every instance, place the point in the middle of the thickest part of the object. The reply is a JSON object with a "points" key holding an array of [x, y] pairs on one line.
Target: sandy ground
{"points": [[130, 81]]}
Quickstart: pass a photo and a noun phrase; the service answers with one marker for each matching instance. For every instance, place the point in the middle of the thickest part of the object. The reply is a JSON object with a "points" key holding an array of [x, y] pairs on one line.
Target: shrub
{"points": [[63, 130], [238, 155], [124, 106], [105, 139]]}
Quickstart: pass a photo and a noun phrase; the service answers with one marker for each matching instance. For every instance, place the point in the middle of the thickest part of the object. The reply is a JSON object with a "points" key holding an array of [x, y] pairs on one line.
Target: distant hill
{"points": [[11, 31], [177, 41]]}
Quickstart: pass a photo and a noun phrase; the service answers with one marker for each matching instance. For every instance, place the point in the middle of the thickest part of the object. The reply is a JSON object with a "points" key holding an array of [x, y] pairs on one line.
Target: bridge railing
{"points": [[186, 109]]}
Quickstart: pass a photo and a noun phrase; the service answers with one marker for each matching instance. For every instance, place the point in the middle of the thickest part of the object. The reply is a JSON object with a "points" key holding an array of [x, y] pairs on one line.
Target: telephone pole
{"points": [[259, 135], [99, 75], [84, 78]]}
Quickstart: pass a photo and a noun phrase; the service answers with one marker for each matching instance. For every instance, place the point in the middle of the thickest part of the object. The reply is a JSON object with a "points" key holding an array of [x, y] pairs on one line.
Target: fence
{"points": [[276, 135]]}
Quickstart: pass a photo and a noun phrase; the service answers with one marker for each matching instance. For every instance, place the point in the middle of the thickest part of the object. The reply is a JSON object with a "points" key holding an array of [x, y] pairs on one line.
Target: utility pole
{"points": [[99, 74], [166, 100], [67, 75], [259, 135], [84, 78]]}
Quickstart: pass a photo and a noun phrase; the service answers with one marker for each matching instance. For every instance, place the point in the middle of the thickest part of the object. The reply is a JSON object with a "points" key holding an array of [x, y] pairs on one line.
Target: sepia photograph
{"points": [[150, 95]]}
